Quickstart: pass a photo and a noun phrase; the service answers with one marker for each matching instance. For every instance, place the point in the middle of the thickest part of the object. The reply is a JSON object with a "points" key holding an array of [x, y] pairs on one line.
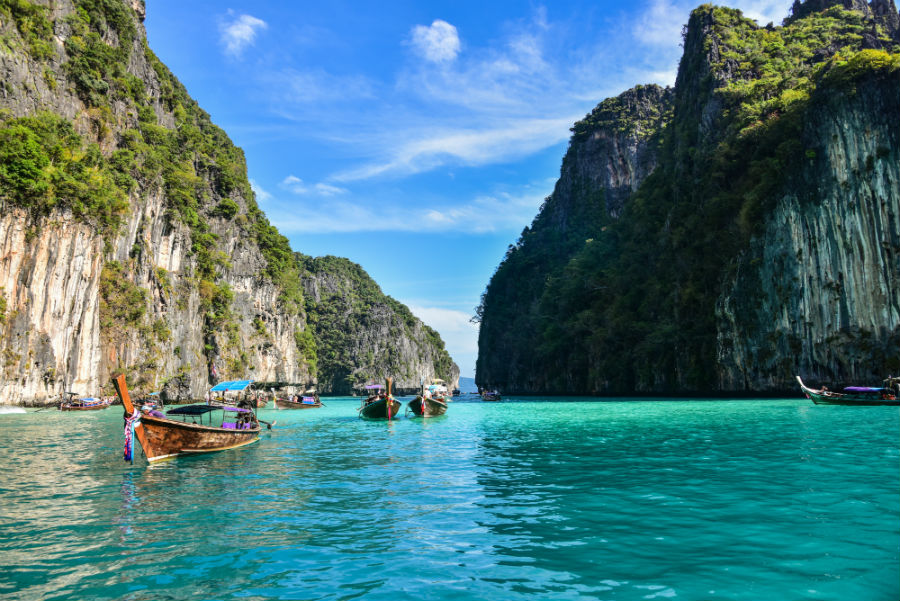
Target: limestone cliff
{"points": [[364, 335], [760, 242], [129, 236], [612, 151]]}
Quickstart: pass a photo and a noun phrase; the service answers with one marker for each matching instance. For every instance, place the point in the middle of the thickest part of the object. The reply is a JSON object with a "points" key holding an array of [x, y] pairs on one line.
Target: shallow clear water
{"points": [[563, 499]]}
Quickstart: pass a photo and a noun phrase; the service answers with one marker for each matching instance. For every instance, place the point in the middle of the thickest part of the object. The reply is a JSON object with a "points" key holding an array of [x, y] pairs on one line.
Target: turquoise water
{"points": [[694, 500]]}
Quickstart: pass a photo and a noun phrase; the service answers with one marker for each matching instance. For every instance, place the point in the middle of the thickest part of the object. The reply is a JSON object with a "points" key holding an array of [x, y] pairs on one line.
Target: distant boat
{"points": [[889, 394], [309, 400], [162, 437], [380, 405], [84, 403], [490, 395]]}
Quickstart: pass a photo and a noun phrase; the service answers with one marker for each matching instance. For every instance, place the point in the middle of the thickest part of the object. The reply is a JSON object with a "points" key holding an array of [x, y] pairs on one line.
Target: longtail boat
{"points": [[83, 404], [888, 394], [431, 402], [490, 395], [162, 437], [425, 406], [308, 400], [303, 402], [380, 406]]}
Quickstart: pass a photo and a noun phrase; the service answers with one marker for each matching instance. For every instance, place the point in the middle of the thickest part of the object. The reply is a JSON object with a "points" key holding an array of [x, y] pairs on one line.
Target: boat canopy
{"points": [[374, 386], [192, 410], [231, 385]]}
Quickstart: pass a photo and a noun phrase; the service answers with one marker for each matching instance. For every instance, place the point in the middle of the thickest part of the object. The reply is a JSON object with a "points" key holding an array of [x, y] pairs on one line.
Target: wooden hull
{"points": [[96, 407], [285, 404], [379, 409], [827, 397], [427, 407], [167, 438], [490, 397]]}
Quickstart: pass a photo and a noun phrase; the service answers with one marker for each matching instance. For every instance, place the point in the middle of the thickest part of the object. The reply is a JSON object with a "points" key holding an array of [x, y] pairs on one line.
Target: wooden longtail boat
{"points": [[490, 395], [889, 394], [306, 402], [162, 437], [380, 406], [427, 407], [83, 404]]}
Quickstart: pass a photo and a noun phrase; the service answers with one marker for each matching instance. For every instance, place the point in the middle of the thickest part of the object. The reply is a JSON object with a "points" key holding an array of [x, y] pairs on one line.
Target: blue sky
{"points": [[414, 138]]}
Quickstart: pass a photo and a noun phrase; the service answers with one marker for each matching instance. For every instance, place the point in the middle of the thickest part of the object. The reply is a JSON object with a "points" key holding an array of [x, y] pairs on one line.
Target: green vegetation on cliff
{"points": [[132, 135], [633, 309], [46, 165], [358, 328]]}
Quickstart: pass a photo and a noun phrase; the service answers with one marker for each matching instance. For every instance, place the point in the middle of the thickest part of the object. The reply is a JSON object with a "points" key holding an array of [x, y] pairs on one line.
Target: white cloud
{"points": [[315, 86], [438, 43], [261, 194], [661, 21], [459, 334], [502, 211], [425, 150], [295, 185], [328, 190], [764, 11], [239, 31]]}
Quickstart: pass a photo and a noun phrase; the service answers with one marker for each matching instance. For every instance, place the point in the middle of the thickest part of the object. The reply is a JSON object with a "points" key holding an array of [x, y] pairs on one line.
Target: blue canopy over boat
{"points": [[231, 385]]}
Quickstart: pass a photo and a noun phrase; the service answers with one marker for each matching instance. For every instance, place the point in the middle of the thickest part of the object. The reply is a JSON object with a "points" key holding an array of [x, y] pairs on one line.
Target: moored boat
{"points": [[490, 395], [162, 436], [888, 394], [380, 405], [83, 403], [423, 406], [431, 402], [308, 400]]}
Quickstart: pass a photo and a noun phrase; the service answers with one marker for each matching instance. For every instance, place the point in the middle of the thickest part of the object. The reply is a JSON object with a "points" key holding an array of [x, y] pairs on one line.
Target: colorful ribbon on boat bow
{"points": [[130, 423]]}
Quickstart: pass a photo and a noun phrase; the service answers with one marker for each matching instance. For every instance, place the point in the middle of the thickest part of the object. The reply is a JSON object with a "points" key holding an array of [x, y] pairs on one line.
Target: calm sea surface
{"points": [[560, 499]]}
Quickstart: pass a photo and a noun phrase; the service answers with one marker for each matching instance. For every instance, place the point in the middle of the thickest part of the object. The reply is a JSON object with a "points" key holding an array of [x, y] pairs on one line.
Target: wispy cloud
{"points": [[499, 101], [460, 335], [455, 327], [295, 185], [315, 86], [239, 31], [423, 150], [660, 22], [502, 211], [438, 43], [261, 194]]}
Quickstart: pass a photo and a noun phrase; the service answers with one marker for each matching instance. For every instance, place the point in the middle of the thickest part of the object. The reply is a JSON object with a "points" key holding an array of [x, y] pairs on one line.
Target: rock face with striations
{"points": [[760, 241], [130, 239]]}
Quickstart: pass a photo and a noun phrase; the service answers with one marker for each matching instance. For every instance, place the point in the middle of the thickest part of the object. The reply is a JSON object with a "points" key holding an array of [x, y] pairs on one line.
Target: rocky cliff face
{"points": [[365, 336], [818, 292], [129, 236], [612, 151], [757, 243]]}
